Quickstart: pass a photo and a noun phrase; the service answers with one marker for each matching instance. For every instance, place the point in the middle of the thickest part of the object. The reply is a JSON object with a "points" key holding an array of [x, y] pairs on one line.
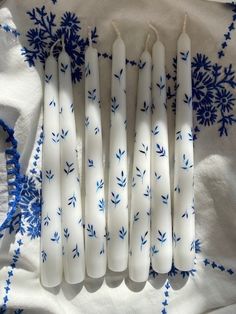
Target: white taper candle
{"points": [[72, 225], [118, 177], [139, 259], [51, 245], [95, 219], [161, 225], [184, 215]]}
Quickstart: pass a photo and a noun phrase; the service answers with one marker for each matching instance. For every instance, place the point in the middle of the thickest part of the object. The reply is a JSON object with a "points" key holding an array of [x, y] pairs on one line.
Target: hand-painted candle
{"points": [[51, 247], [139, 259], [72, 225], [161, 226], [118, 185], [184, 216], [95, 219]]}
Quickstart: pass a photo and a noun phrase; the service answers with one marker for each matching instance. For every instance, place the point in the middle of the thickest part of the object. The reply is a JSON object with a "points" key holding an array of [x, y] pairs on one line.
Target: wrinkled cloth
{"points": [[26, 30]]}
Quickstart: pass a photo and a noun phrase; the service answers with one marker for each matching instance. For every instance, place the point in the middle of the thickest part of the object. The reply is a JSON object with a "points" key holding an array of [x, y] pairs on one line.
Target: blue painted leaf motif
{"points": [[187, 99], [184, 55], [72, 200], [122, 233], [185, 163], [143, 239], [155, 130], [66, 233], [75, 251], [145, 107], [157, 176], [154, 250], [165, 198], [115, 199], [160, 150], [118, 76], [90, 163], [99, 185], [140, 173], [136, 216], [60, 111], [49, 175], [161, 236], [190, 137], [87, 121], [192, 246], [107, 235], [197, 246], [133, 182], [141, 64], [121, 181], [69, 168], [64, 133], [46, 220], [102, 251], [176, 239], [59, 211], [148, 212], [91, 231], [96, 130], [147, 192], [101, 205], [144, 149], [55, 237], [72, 108], [52, 103], [185, 214], [92, 94], [44, 256], [55, 137], [179, 135], [177, 189], [120, 154], [160, 85], [48, 78], [87, 70], [114, 105], [63, 67]]}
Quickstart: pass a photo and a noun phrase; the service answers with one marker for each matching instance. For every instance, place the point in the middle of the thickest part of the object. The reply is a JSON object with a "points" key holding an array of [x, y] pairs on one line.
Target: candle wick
{"points": [[155, 30], [147, 41], [185, 22], [89, 36], [116, 29]]}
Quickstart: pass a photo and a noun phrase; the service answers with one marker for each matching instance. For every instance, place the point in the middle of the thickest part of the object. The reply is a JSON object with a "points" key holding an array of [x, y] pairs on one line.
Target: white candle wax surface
{"points": [[161, 225], [95, 219], [72, 224], [139, 259], [51, 245], [184, 215], [118, 174]]}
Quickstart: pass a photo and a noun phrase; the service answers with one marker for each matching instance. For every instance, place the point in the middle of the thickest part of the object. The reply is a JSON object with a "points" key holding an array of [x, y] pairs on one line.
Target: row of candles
{"points": [[119, 237]]}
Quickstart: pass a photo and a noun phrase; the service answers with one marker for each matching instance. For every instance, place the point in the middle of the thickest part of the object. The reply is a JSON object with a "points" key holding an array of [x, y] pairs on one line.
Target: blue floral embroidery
{"points": [[160, 150], [122, 233], [91, 231], [120, 154], [144, 149], [72, 200], [75, 251], [101, 205], [44, 256], [161, 236], [115, 199], [66, 233], [69, 167], [114, 105], [121, 181], [99, 184], [143, 240], [56, 237]]}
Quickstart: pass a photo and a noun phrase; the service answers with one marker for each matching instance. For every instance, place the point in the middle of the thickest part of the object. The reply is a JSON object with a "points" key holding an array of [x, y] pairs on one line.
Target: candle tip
{"points": [[116, 29], [147, 41], [89, 35], [185, 22], [155, 30]]}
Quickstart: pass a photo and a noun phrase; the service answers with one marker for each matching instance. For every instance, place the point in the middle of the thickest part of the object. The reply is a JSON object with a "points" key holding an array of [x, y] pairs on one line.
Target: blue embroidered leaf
{"points": [[192, 246], [186, 163], [118, 76], [145, 107], [91, 231], [63, 67], [157, 176], [176, 239], [52, 103], [155, 130], [102, 251], [64, 133], [160, 85], [69, 168], [90, 163], [96, 130], [59, 211], [72, 200], [92, 94], [55, 237], [46, 220], [87, 70], [66, 233], [154, 250], [140, 173], [165, 198], [133, 182], [161, 151], [190, 137], [136, 216], [115, 199], [177, 189], [148, 192], [72, 108], [187, 99], [48, 78], [185, 214], [184, 55], [49, 175], [121, 181], [179, 135], [122, 233], [75, 251], [87, 121], [114, 105], [99, 184], [120, 154], [161, 236], [55, 137], [144, 149], [101, 205], [143, 240], [44, 256]]}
